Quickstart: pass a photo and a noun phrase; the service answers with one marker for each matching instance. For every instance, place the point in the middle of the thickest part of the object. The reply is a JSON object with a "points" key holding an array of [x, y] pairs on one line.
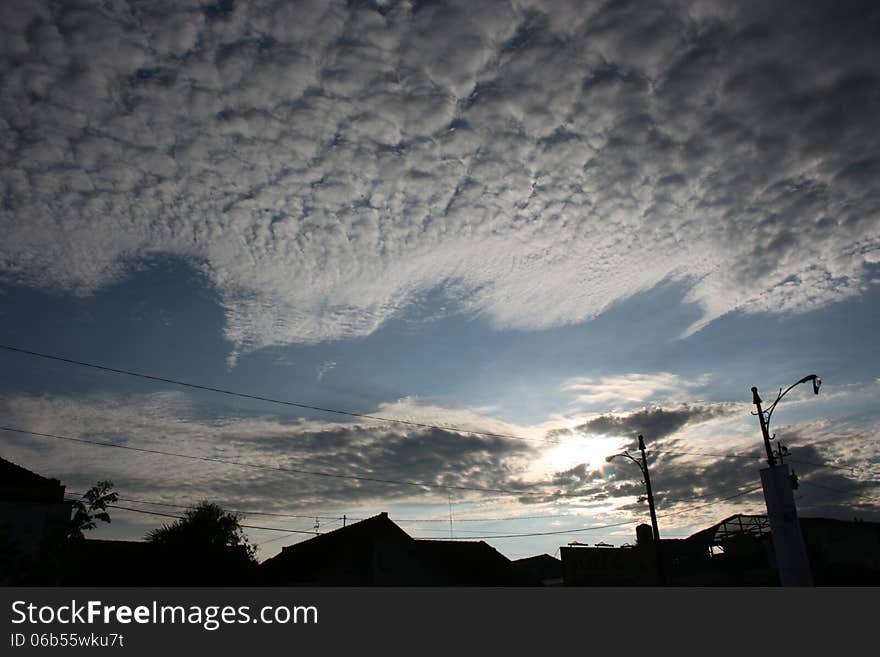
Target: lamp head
{"points": [[816, 382]]}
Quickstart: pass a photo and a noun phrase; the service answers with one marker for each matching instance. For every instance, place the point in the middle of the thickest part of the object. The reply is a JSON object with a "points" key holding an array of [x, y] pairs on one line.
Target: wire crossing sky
{"points": [[441, 258]]}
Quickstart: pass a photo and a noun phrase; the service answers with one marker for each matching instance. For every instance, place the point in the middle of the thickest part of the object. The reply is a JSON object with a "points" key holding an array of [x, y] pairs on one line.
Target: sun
{"points": [[590, 450]]}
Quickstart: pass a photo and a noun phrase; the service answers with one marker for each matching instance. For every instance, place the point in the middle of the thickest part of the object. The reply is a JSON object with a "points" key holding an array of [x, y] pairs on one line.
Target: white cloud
{"points": [[631, 389], [325, 165]]}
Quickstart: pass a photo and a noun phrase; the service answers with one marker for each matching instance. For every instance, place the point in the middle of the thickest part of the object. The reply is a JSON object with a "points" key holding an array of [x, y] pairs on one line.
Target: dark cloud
{"points": [[349, 454], [656, 422], [435, 457]]}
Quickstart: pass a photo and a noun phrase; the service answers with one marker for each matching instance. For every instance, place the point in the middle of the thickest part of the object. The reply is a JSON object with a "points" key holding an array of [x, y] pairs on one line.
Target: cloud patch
{"points": [[627, 389], [325, 164], [657, 422], [343, 452]]}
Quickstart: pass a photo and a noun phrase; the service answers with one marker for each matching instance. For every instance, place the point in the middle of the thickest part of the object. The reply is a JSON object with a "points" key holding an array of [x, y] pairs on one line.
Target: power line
{"points": [[851, 469], [829, 488], [701, 506], [729, 456], [210, 459], [543, 517], [335, 519], [270, 400], [619, 524], [494, 535], [237, 511], [554, 533], [847, 468], [271, 540], [315, 533], [169, 515]]}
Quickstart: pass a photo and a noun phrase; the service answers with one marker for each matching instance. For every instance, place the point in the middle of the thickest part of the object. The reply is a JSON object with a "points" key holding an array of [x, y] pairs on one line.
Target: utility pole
{"points": [[657, 550], [646, 477]]}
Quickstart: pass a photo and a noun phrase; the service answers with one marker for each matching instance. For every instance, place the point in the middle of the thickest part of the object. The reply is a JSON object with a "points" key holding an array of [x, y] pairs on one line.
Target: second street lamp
{"points": [[765, 415], [646, 475], [788, 542]]}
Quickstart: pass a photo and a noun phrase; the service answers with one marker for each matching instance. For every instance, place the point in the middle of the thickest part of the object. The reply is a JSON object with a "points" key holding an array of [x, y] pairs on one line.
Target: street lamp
{"points": [[643, 466], [764, 416], [788, 541]]}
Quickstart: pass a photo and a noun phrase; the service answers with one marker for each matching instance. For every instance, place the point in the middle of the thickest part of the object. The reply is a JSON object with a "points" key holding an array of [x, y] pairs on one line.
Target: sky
{"points": [[540, 228]]}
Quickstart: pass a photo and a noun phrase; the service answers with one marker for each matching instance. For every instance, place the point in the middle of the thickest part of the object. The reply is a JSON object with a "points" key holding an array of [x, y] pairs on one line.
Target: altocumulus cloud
{"points": [[325, 163]]}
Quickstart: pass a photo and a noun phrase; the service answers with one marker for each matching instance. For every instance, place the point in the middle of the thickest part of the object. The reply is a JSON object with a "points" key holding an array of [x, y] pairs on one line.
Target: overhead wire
{"points": [[485, 535], [245, 513], [713, 502], [271, 400], [553, 533], [236, 511], [264, 466], [169, 515]]}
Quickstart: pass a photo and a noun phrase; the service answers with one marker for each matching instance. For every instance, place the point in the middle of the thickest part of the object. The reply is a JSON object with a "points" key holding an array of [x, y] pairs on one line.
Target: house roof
{"points": [[474, 563], [542, 567], [349, 550], [20, 484], [469, 551], [358, 532], [378, 524], [15, 474]]}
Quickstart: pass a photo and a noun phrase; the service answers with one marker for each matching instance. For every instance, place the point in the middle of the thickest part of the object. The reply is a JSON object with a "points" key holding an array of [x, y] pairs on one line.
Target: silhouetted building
{"points": [[543, 568], [33, 516], [737, 551], [377, 552], [842, 552], [608, 566]]}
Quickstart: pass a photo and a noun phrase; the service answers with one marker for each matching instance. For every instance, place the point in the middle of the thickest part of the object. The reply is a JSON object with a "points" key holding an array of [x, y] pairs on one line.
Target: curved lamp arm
{"points": [[632, 458], [765, 415], [811, 377]]}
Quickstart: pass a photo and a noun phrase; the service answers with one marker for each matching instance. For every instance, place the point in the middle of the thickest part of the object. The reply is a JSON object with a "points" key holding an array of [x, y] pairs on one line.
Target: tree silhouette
{"points": [[207, 526], [92, 507]]}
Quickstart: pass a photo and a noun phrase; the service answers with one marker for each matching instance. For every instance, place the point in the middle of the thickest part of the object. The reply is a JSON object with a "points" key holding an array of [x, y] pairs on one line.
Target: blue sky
{"points": [[567, 223]]}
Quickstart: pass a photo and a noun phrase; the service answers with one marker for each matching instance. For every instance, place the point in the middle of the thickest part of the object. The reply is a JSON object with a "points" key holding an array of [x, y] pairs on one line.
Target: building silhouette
{"points": [[737, 551], [33, 518], [377, 552]]}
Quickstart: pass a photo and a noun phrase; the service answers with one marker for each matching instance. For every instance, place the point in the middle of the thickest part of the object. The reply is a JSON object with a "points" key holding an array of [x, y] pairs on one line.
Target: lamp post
{"points": [[643, 466], [764, 416], [788, 542]]}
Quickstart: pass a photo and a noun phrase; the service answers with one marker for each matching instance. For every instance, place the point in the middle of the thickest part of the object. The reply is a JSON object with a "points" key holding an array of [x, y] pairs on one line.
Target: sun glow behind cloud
{"points": [[579, 449]]}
